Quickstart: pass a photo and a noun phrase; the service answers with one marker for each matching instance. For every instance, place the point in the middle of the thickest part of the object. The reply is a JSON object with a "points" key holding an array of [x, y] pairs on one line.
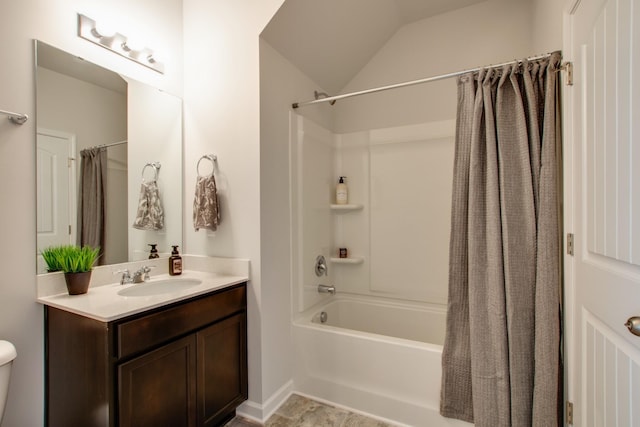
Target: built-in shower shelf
{"points": [[353, 260], [349, 207]]}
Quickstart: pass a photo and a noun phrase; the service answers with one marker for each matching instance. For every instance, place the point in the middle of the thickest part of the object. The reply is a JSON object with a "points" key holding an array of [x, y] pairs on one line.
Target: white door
{"points": [[602, 209], [55, 191]]}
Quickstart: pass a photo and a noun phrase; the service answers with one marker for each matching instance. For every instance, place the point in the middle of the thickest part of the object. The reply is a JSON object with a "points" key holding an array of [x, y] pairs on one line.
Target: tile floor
{"points": [[300, 411]]}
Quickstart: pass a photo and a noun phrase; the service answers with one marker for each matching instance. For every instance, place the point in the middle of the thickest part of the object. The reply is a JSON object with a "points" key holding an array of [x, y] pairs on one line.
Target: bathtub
{"points": [[375, 356]]}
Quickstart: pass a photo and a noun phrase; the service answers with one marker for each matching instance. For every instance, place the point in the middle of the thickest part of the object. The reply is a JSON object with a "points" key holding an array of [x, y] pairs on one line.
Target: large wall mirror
{"points": [[106, 146]]}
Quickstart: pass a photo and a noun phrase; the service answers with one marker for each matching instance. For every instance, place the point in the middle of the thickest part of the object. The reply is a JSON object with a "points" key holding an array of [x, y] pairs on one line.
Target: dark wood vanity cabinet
{"points": [[183, 364]]}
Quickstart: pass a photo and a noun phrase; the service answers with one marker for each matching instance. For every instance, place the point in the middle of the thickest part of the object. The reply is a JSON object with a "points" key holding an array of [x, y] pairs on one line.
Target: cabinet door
{"points": [[222, 369], [158, 388]]}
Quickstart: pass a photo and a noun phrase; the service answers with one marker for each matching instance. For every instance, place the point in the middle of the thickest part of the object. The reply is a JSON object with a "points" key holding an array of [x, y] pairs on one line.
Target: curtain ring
{"points": [[156, 169], [212, 158]]}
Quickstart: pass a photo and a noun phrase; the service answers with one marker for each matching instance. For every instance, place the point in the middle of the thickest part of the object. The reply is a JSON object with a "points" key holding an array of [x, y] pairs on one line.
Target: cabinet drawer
{"points": [[145, 332]]}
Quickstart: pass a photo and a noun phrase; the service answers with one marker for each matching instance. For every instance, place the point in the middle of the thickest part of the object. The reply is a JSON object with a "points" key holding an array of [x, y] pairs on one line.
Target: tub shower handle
{"points": [[321, 266]]}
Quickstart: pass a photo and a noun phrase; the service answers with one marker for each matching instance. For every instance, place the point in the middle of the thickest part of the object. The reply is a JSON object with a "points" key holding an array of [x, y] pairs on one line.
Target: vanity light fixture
{"points": [[88, 29]]}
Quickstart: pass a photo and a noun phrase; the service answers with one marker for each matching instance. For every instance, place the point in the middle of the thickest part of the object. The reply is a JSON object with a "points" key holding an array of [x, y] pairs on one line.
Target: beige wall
{"points": [[547, 25]]}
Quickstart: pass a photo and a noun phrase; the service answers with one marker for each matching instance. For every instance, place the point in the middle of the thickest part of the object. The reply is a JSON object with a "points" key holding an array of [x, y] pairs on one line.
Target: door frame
{"points": [[568, 188]]}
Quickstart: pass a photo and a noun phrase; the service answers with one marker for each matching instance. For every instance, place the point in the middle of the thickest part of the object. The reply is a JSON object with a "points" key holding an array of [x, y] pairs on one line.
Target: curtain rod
{"points": [[108, 145], [412, 82], [16, 118]]}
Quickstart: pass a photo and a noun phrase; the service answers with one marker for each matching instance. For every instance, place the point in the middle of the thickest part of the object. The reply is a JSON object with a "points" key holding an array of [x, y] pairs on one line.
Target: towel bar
{"points": [[156, 168], [16, 118], [211, 157]]}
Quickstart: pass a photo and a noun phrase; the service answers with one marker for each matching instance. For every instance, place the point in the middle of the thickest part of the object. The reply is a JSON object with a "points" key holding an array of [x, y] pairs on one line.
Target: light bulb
{"points": [[154, 57], [132, 44], [103, 29]]}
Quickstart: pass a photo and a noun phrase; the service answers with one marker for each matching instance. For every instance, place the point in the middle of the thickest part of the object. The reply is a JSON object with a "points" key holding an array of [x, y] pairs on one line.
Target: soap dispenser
{"points": [[153, 253], [175, 262], [341, 192]]}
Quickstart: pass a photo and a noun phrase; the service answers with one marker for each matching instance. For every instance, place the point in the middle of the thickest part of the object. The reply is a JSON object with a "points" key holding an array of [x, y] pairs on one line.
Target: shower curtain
{"points": [[93, 192], [501, 358]]}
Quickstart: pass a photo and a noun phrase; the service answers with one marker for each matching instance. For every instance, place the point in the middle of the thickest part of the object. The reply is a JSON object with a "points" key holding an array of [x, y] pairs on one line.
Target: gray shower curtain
{"points": [[92, 200], [501, 358]]}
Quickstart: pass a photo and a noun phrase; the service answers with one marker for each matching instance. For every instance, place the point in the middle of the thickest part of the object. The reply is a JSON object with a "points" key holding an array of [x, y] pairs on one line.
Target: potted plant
{"points": [[76, 263]]}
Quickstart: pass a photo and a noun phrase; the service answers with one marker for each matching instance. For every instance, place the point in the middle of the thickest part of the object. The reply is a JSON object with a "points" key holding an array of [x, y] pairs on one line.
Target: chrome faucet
{"points": [[326, 289], [141, 275], [126, 276]]}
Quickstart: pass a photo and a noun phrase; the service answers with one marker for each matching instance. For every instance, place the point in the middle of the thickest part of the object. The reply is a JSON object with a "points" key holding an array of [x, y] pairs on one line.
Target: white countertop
{"points": [[103, 303]]}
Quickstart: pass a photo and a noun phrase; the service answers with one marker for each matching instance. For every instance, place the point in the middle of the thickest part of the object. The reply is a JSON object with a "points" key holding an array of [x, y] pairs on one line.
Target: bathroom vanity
{"points": [[179, 363]]}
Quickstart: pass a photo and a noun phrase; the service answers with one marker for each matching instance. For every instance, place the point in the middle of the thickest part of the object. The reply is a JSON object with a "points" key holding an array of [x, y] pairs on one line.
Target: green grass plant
{"points": [[70, 258], [52, 256]]}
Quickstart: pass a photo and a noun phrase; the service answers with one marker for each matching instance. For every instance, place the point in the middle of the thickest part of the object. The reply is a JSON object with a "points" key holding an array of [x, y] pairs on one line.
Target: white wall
{"points": [[155, 135], [280, 85], [489, 32], [222, 116], [54, 22]]}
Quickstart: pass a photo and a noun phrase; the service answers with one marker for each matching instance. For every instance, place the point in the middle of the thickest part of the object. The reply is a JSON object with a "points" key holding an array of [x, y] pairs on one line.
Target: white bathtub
{"points": [[376, 356]]}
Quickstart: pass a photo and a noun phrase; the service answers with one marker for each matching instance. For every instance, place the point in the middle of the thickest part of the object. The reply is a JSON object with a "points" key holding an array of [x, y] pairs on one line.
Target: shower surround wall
{"points": [[400, 184], [400, 178]]}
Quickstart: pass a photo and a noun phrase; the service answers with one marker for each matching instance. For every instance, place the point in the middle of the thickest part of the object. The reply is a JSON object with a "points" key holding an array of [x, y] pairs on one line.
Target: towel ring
{"points": [[212, 158], [156, 169]]}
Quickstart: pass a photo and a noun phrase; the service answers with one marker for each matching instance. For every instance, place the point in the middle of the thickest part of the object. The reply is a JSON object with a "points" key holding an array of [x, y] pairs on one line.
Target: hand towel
{"points": [[150, 215], [206, 211]]}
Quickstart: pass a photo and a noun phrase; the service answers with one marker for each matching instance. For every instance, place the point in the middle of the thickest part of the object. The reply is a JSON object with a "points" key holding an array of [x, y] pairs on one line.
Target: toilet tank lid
{"points": [[7, 352]]}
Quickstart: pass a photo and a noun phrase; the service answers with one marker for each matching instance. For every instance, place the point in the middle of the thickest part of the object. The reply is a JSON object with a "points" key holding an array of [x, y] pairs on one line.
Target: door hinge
{"points": [[569, 413], [70, 161], [69, 229], [570, 244], [567, 67]]}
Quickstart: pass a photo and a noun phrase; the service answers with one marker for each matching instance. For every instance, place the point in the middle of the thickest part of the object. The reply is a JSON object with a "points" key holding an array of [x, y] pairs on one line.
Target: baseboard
{"points": [[261, 413]]}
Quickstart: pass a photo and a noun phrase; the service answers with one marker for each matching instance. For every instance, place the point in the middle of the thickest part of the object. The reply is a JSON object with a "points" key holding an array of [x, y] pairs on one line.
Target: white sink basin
{"points": [[158, 287]]}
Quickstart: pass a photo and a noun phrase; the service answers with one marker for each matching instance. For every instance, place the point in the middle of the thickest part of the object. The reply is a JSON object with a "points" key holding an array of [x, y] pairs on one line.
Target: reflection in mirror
{"points": [[96, 131]]}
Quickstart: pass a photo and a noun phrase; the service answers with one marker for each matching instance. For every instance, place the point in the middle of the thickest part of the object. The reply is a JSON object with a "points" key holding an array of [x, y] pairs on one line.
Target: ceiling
{"points": [[332, 40]]}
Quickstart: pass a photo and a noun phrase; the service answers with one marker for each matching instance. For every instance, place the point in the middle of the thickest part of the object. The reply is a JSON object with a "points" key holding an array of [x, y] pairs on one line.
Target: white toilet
{"points": [[7, 354]]}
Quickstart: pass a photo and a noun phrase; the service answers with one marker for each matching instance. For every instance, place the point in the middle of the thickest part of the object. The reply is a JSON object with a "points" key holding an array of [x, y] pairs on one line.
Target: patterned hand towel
{"points": [[206, 212], [150, 215]]}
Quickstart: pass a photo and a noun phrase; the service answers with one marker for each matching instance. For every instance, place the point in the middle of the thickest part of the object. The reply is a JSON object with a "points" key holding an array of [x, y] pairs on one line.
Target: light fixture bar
{"points": [[117, 43]]}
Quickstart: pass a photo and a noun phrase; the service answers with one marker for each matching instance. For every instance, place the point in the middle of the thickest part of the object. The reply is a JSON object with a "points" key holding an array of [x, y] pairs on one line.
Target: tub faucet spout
{"points": [[326, 289]]}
